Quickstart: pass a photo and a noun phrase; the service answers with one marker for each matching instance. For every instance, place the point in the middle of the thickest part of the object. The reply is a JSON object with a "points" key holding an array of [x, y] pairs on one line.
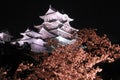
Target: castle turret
{"points": [[56, 25], [33, 39]]}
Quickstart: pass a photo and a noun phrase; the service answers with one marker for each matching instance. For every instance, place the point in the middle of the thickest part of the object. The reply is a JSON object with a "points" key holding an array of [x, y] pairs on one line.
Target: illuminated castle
{"points": [[55, 26]]}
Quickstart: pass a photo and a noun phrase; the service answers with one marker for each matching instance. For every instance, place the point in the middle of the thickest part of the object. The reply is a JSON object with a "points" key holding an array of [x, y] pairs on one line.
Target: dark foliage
{"points": [[12, 55]]}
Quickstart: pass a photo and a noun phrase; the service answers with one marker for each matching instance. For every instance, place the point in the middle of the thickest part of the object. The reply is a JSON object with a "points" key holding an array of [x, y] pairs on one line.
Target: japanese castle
{"points": [[55, 26]]}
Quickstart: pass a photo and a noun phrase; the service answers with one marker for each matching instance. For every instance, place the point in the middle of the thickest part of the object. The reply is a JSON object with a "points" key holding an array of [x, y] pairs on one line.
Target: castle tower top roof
{"points": [[50, 10], [53, 14], [56, 16]]}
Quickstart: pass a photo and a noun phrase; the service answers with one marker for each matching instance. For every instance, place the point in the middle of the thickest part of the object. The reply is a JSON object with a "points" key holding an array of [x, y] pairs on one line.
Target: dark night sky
{"points": [[104, 16]]}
